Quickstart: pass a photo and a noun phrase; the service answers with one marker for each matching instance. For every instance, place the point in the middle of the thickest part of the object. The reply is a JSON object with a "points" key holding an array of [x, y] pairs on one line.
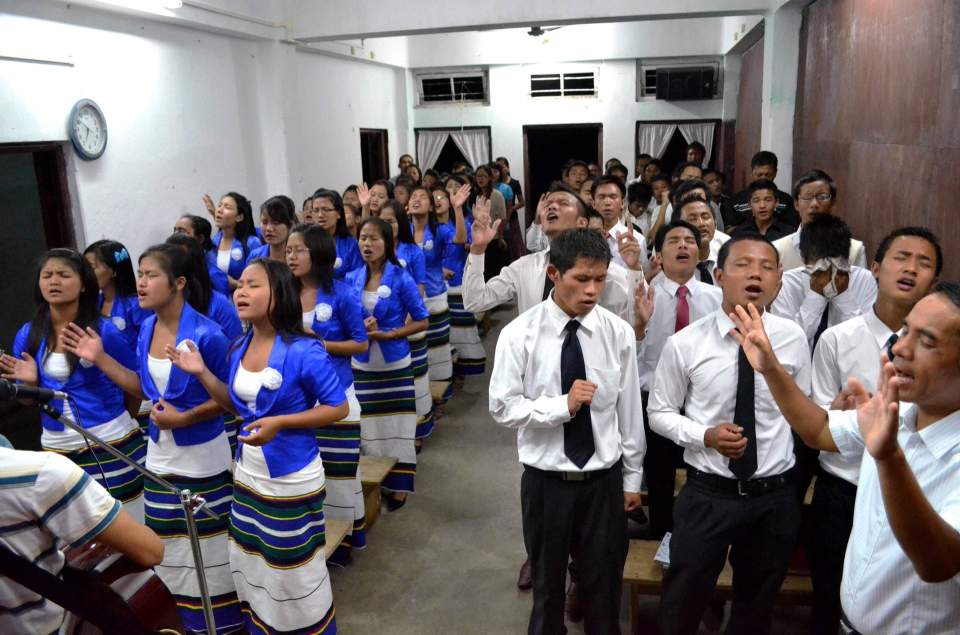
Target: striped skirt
{"points": [[421, 384], [177, 571], [469, 356], [231, 426], [124, 483], [438, 348], [388, 418], [340, 451], [277, 538]]}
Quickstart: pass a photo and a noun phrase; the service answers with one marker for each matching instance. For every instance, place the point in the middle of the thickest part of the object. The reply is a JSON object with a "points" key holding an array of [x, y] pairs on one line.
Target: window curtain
{"points": [[474, 145], [429, 146], [653, 138], [702, 132]]}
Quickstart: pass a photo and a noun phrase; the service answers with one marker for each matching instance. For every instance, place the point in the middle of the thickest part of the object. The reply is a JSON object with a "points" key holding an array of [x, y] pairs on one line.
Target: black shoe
{"points": [[393, 504]]}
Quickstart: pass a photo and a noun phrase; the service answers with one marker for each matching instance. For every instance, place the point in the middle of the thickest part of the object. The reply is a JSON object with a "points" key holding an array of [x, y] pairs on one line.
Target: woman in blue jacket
{"points": [[236, 236], [187, 444], [283, 386], [331, 309], [382, 375], [118, 301], [410, 257], [199, 228], [67, 292], [277, 216], [328, 213]]}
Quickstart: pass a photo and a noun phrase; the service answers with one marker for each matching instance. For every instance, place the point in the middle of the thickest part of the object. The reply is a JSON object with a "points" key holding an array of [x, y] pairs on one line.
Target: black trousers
{"points": [[585, 520], [832, 506], [660, 463], [760, 532]]}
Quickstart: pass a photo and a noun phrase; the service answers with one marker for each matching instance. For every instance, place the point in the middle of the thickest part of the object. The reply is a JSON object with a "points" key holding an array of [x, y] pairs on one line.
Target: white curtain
{"points": [[429, 146], [474, 145], [653, 138], [702, 132]]}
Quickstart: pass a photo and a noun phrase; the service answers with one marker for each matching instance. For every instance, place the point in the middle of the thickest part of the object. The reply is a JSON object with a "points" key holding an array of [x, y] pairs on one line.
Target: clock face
{"points": [[88, 129]]}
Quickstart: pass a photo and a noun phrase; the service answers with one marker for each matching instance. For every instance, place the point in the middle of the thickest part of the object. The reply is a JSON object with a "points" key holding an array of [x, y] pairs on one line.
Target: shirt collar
{"points": [[671, 287], [881, 333], [725, 324], [616, 229], [559, 317], [795, 239], [940, 437]]}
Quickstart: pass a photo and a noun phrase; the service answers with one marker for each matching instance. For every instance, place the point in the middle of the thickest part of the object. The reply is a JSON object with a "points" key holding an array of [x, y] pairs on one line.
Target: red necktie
{"points": [[683, 309]]}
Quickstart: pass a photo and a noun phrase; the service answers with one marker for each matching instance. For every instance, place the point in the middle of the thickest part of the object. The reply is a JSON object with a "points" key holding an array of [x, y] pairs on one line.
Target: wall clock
{"points": [[87, 129]]}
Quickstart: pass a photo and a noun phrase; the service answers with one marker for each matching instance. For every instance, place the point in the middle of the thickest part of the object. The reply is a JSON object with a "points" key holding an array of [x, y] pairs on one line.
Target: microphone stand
{"points": [[191, 503]]}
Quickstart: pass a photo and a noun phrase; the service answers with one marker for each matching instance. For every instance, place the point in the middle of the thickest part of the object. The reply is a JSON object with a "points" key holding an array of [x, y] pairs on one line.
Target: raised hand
{"points": [[879, 415], [208, 204], [23, 369], [727, 439], [85, 344], [751, 335], [629, 248], [655, 266], [189, 361], [843, 401], [484, 231], [541, 206], [460, 197], [643, 305], [481, 207], [363, 193], [581, 394]]}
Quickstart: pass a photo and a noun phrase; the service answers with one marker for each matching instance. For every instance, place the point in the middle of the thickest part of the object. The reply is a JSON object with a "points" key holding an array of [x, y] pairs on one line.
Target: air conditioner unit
{"points": [[676, 84]]}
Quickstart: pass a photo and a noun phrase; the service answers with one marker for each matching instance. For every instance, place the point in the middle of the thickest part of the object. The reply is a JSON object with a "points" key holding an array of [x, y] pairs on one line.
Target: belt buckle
{"points": [[575, 476], [740, 490]]}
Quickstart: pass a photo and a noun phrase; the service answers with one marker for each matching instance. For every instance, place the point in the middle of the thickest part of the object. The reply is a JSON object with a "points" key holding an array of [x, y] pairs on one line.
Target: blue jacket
{"points": [[434, 247], [95, 399], [411, 258], [455, 257], [127, 316], [348, 256], [263, 251], [185, 391], [218, 279], [338, 317], [222, 311], [398, 297], [308, 378], [238, 253]]}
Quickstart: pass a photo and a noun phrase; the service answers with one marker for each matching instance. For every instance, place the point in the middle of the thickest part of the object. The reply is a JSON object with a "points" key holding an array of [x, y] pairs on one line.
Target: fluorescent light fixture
{"points": [[146, 5]]}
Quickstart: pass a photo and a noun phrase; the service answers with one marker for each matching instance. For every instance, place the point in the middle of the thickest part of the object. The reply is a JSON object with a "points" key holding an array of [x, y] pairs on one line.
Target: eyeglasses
{"points": [[823, 198]]}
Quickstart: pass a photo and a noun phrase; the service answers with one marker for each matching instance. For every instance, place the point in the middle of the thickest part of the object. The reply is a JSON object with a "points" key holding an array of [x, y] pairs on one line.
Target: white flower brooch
{"points": [[119, 322], [271, 379], [323, 311], [383, 291]]}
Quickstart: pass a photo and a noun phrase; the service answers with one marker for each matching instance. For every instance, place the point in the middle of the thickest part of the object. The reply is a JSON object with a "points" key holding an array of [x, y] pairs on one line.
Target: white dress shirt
{"points": [[525, 390], [536, 239], [523, 279], [611, 238], [798, 302], [698, 373], [790, 258], [881, 591], [702, 299], [641, 222], [849, 349]]}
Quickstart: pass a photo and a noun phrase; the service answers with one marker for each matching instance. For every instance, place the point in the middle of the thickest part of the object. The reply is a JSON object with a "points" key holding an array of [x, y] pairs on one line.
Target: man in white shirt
{"points": [[827, 290], [565, 378], [902, 563], [698, 213], [675, 299], [639, 196], [906, 269], [739, 494], [46, 503], [608, 193], [814, 194]]}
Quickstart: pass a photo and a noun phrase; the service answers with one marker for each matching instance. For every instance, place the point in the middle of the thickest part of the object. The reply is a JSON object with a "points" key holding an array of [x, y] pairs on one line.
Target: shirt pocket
{"points": [[608, 387]]}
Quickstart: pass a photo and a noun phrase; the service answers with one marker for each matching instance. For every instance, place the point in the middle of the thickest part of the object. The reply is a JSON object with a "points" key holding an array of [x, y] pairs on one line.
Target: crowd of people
{"points": [[663, 325]]}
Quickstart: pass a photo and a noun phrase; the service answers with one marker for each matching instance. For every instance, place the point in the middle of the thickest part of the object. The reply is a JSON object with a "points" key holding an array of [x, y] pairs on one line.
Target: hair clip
{"points": [[121, 255]]}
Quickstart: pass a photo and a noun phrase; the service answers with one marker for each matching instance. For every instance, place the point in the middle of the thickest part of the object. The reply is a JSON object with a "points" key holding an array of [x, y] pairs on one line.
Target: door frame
{"points": [[384, 149], [554, 126], [55, 206]]}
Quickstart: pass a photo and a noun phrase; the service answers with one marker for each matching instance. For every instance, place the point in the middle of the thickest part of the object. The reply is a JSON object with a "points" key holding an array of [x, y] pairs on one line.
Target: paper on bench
{"points": [[663, 551]]}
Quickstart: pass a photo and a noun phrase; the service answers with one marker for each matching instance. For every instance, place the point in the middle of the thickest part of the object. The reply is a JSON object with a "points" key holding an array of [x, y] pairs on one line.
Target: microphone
{"points": [[10, 390]]}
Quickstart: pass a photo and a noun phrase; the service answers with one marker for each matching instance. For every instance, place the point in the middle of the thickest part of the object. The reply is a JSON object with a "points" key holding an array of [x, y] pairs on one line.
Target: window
{"points": [[446, 88], [647, 73], [581, 83]]}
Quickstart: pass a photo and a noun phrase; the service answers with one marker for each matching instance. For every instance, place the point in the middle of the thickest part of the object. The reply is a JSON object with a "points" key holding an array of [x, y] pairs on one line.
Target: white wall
{"points": [[511, 108]]}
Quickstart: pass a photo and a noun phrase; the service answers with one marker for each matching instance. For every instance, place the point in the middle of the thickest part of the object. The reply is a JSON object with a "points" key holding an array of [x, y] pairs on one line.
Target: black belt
{"points": [[578, 476], [736, 487], [846, 627], [847, 487]]}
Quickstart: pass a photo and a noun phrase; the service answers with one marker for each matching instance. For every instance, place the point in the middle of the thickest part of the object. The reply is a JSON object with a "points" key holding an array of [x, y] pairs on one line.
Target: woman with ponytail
{"points": [[199, 228], [236, 236], [67, 292], [187, 444], [118, 287]]}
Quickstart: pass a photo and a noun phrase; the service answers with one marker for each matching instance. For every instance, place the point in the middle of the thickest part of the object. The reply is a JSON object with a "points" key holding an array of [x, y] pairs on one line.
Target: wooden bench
{"points": [[645, 577], [337, 530], [373, 471]]}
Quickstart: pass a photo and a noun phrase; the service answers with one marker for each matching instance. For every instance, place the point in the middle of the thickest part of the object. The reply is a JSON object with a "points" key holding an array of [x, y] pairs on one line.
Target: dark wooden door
{"points": [[373, 154]]}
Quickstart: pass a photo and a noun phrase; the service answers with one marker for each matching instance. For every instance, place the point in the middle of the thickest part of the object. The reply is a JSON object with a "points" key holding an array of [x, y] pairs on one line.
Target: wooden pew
{"points": [[645, 577], [337, 530], [373, 470]]}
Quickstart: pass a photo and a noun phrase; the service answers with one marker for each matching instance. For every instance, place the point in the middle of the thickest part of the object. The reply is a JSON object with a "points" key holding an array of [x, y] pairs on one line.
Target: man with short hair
{"points": [[639, 166], [594, 170], [697, 212], [763, 166], [405, 161], [764, 219], [902, 560], [814, 193], [575, 174], [696, 153], [653, 168], [565, 377], [687, 171], [639, 197], [675, 299], [738, 498], [619, 171], [716, 180], [607, 195]]}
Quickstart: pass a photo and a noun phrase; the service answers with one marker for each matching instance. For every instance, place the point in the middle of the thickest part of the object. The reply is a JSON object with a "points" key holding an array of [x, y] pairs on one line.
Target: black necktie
{"points": [[745, 417], [824, 318], [578, 431], [888, 347], [547, 286], [704, 270]]}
